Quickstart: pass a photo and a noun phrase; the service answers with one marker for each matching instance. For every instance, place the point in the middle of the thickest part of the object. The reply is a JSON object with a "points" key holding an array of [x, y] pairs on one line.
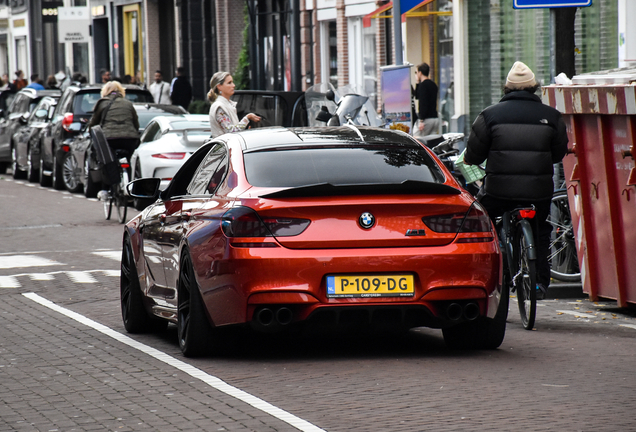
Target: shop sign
{"points": [[531, 4], [49, 10], [73, 24]]}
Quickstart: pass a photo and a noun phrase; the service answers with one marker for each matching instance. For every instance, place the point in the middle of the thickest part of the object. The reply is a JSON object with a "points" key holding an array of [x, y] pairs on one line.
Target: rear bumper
{"points": [[237, 287]]}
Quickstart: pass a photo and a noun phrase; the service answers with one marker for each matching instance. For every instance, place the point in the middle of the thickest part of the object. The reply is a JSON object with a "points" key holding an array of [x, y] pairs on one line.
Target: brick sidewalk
{"points": [[60, 375]]}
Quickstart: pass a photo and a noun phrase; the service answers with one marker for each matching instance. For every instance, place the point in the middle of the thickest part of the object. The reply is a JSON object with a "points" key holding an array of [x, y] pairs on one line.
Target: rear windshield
{"points": [[374, 164], [85, 102]]}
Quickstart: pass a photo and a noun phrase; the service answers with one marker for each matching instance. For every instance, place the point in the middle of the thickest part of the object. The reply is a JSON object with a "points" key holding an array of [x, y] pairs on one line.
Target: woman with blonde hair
{"points": [[117, 117], [223, 116]]}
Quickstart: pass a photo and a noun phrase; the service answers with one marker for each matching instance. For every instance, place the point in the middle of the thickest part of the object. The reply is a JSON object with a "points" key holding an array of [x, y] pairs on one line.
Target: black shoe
{"points": [[542, 292]]}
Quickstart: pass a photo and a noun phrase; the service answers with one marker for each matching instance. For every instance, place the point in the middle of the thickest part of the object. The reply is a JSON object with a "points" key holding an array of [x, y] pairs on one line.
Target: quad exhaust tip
{"points": [[267, 317], [470, 311]]}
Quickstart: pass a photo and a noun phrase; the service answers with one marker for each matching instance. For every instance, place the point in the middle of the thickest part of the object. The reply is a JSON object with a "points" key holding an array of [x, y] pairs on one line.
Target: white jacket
{"points": [[161, 92]]}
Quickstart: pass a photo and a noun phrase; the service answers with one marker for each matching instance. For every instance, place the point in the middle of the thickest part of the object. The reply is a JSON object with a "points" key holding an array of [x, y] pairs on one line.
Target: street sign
{"points": [[530, 4]]}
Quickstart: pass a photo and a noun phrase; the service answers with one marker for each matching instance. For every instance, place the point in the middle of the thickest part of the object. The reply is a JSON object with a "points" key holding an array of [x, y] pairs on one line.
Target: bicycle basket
{"points": [[471, 173]]}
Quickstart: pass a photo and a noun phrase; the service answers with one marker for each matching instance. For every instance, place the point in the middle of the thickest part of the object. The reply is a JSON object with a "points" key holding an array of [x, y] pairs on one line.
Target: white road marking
{"points": [[114, 273], [19, 261], [632, 326], [81, 277], [41, 276], [184, 367], [114, 255], [9, 282], [577, 314]]}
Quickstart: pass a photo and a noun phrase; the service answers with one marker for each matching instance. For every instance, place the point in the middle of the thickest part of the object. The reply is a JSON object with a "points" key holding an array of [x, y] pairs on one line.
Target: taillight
{"points": [[169, 155], [245, 222], [476, 220], [527, 213], [446, 223], [125, 165], [67, 121]]}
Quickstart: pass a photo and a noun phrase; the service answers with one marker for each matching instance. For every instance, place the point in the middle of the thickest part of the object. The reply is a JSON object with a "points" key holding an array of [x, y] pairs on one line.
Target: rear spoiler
{"points": [[408, 187]]}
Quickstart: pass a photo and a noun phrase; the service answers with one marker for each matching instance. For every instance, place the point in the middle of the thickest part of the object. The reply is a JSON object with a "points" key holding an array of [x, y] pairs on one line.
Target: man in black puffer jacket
{"points": [[521, 138]]}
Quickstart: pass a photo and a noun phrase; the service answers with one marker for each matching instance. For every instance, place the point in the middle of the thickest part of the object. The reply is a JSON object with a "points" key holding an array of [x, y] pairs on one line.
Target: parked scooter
{"points": [[326, 106]]}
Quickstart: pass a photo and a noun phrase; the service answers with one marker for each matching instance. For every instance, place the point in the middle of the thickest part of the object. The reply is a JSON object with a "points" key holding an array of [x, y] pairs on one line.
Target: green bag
{"points": [[471, 173]]}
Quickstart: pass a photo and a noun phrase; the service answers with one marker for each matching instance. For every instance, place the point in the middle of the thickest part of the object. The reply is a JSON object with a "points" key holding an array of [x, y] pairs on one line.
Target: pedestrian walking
{"points": [[19, 83], [51, 82], [223, 115], [426, 94], [105, 75], [160, 89], [36, 82], [180, 89], [521, 138]]}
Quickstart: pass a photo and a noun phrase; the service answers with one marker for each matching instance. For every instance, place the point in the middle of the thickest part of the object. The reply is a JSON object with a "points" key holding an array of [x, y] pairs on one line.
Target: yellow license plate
{"points": [[370, 286]]}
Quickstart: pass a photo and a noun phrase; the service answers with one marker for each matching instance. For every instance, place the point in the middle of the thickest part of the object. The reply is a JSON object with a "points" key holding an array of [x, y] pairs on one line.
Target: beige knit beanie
{"points": [[520, 77]]}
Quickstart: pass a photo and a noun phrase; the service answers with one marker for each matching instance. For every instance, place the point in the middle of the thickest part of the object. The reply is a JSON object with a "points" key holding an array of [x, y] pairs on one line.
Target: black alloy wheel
{"points": [[193, 328], [133, 312], [33, 174], [17, 173]]}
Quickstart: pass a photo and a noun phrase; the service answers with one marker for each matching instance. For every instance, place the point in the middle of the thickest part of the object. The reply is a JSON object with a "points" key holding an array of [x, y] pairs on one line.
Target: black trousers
{"points": [[540, 228], [128, 145]]}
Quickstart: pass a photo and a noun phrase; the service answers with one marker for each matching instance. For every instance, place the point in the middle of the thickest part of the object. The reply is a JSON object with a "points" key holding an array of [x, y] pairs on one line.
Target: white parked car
{"points": [[166, 143]]}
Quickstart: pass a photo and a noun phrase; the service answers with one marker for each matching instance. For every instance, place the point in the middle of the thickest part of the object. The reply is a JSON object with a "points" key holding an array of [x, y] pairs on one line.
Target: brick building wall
{"points": [[153, 52], [230, 22], [343, 44], [307, 38]]}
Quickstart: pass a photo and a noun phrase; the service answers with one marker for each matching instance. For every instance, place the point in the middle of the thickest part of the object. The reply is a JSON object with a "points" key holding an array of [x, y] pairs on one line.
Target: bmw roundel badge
{"points": [[366, 220]]}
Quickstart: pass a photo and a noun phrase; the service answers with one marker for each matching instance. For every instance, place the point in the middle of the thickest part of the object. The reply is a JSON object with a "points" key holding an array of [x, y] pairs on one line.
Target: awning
{"points": [[366, 20]]}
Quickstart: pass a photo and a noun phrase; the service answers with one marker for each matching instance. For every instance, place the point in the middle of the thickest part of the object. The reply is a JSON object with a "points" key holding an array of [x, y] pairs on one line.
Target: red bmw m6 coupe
{"points": [[276, 228]]}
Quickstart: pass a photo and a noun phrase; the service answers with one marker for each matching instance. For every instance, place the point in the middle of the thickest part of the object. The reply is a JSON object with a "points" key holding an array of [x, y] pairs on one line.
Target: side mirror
{"points": [[323, 115], [330, 95], [144, 188]]}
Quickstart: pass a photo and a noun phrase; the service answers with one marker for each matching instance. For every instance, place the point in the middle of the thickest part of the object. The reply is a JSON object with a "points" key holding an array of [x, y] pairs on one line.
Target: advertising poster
{"points": [[396, 96]]}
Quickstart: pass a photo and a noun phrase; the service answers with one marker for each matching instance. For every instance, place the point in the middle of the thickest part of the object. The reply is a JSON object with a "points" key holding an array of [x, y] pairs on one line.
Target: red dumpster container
{"points": [[600, 113]]}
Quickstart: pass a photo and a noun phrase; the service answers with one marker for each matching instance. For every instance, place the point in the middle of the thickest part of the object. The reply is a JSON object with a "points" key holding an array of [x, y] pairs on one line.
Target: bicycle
{"points": [[564, 263], [117, 195], [519, 258]]}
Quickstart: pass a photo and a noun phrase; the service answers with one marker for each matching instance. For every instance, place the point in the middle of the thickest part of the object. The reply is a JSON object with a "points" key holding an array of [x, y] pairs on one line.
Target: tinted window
{"points": [[150, 133], [372, 164], [139, 96], [205, 180], [85, 103], [271, 108]]}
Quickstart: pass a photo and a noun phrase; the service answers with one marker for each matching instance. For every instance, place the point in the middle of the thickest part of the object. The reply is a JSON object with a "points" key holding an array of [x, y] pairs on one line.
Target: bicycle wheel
{"points": [[121, 203], [564, 262], [108, 207], [525, 280]]}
